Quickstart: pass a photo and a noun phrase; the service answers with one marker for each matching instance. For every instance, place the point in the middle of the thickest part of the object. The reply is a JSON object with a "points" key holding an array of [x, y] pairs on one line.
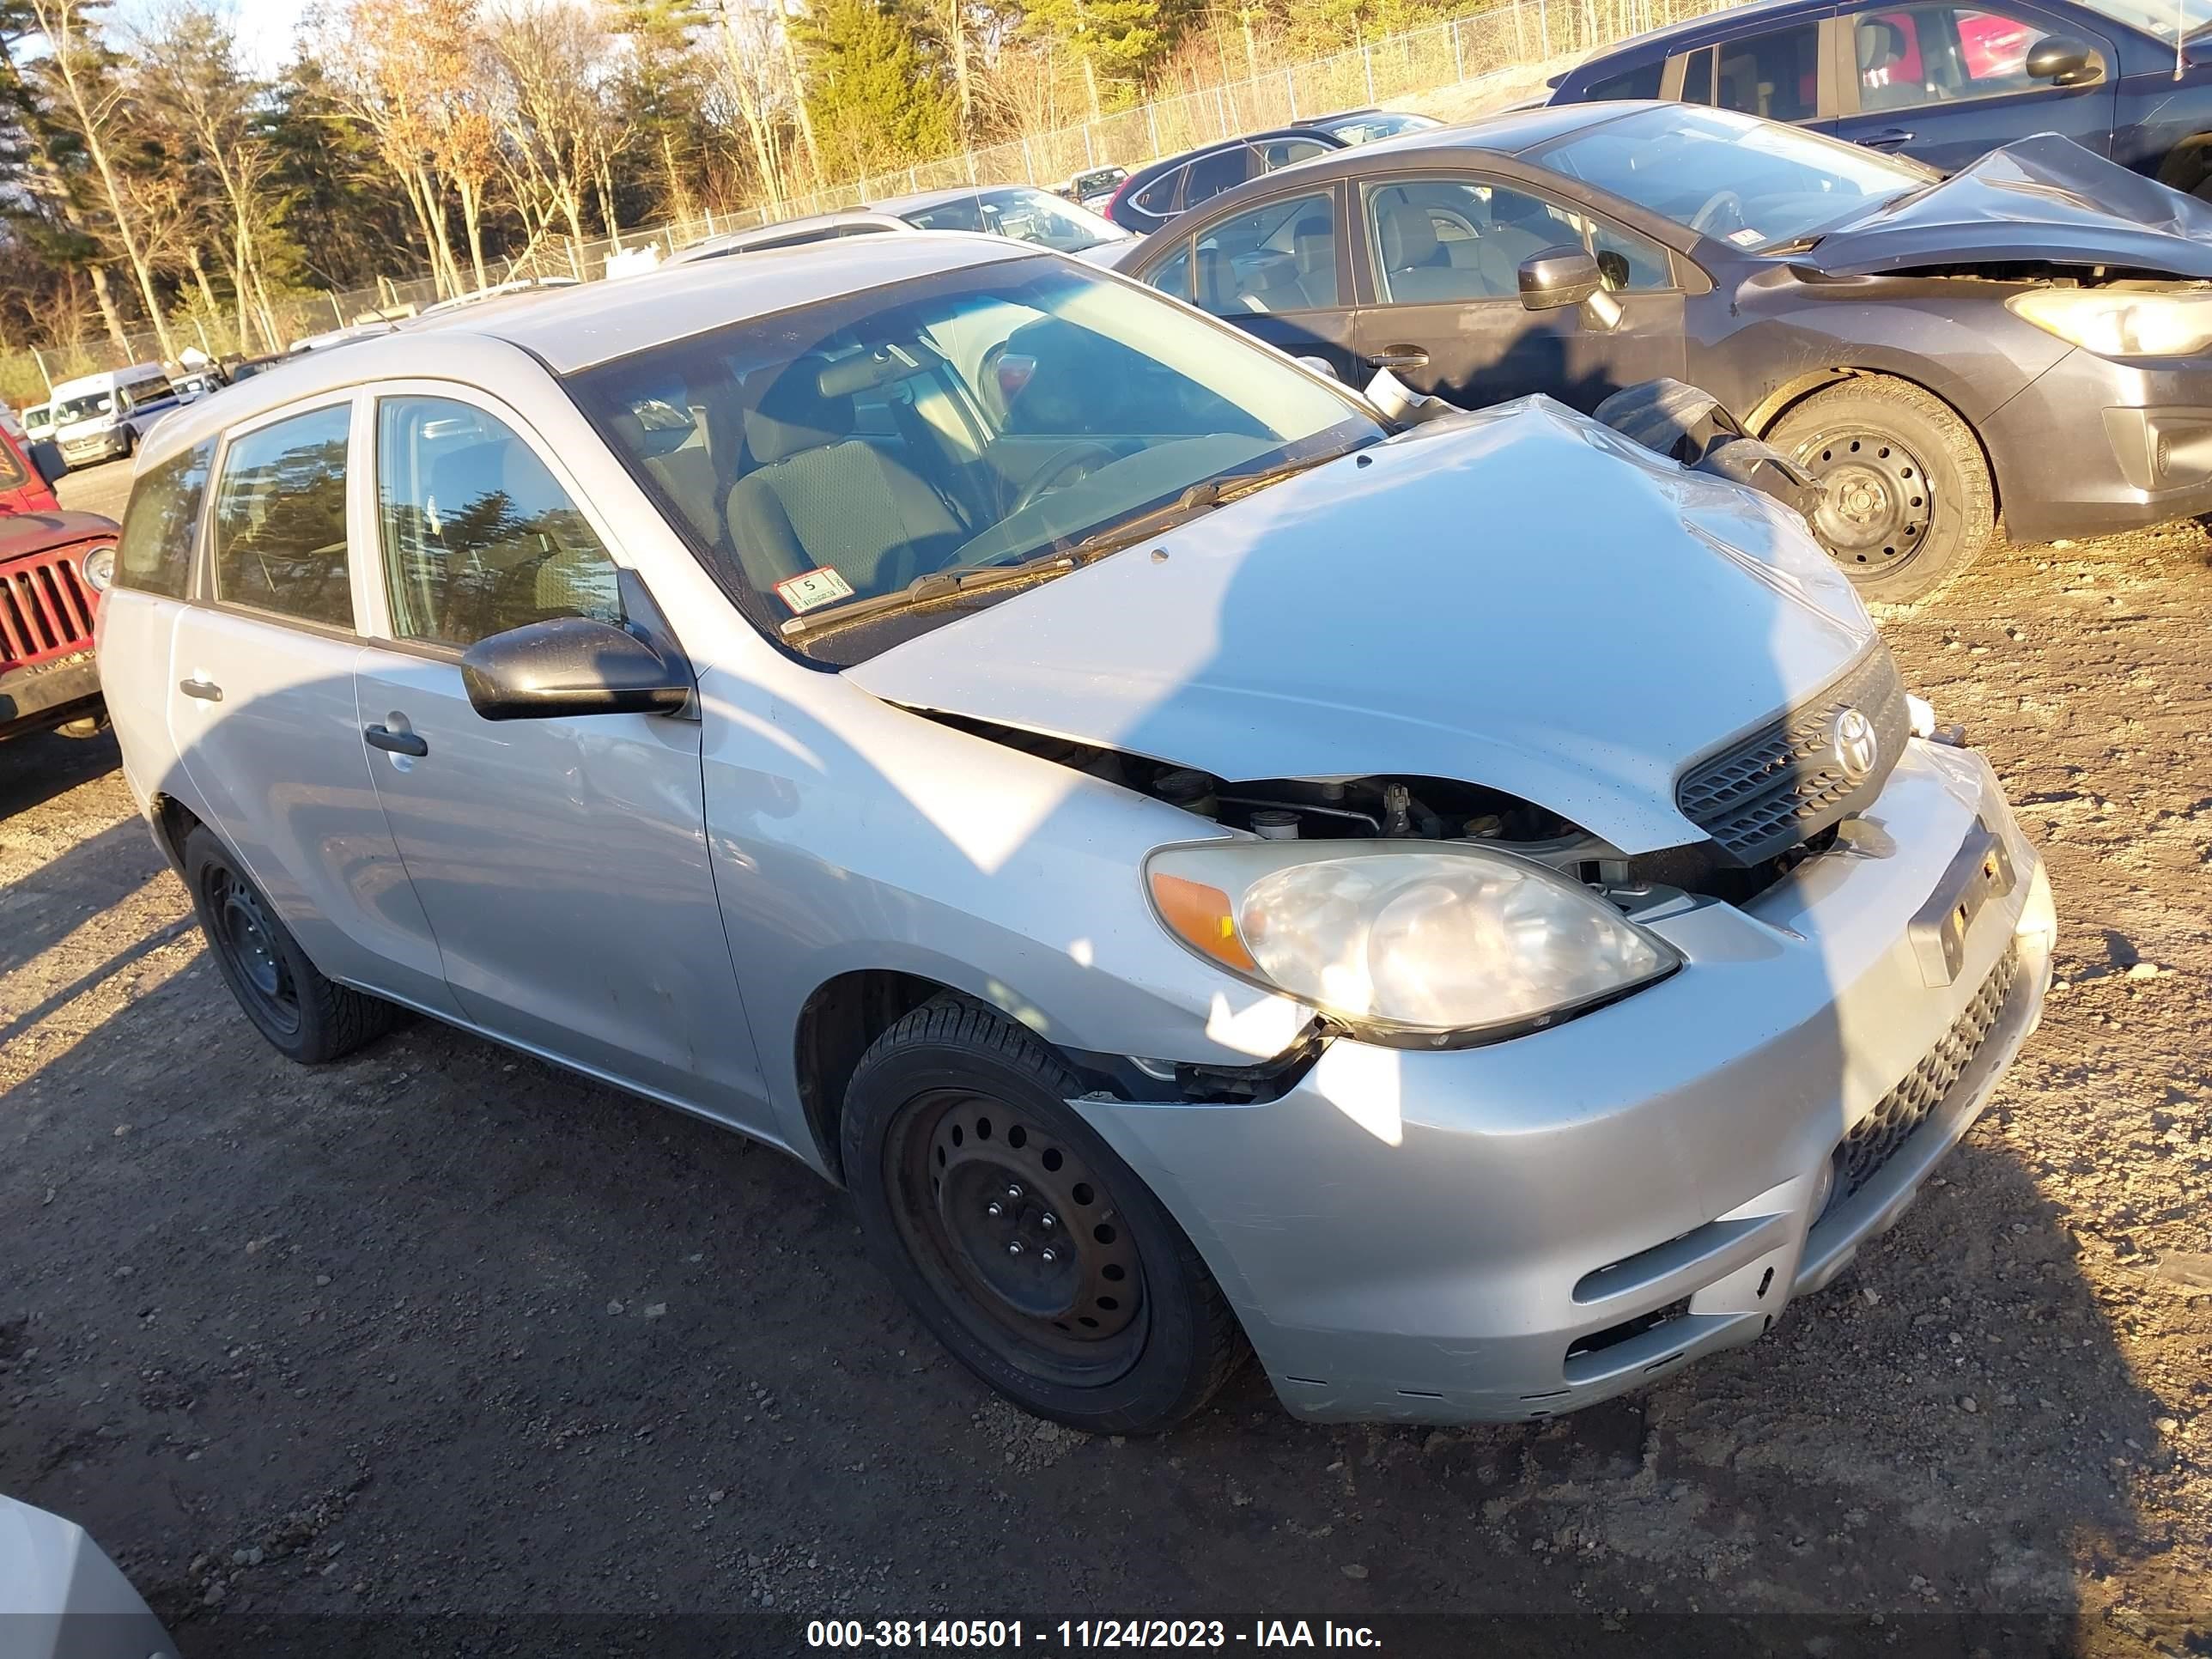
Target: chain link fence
{"points": [[1487, 47]]}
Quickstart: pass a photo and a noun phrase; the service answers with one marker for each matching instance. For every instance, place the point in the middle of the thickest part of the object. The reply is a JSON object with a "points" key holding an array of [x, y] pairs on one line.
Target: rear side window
{"points": [[477, 535], [280, 520], [154, 554], [1776, 74], [1159, 196], [1642, 81]]}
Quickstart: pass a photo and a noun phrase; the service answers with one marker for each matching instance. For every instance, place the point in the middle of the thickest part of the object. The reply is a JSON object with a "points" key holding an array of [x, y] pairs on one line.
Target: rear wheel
{"points": [[1029, 1248], [1906, 502], [305, 1017]]}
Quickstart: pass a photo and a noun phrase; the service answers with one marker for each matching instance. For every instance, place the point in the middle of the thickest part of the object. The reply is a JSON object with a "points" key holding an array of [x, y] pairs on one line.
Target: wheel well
{"points": [[173, 821], [1779, 402], [843, 1016]]}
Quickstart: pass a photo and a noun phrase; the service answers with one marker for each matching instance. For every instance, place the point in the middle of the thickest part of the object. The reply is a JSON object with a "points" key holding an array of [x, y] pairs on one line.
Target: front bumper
{"points": [[42, 694], [2092, 446], [91, 451], [1517, 1230]]}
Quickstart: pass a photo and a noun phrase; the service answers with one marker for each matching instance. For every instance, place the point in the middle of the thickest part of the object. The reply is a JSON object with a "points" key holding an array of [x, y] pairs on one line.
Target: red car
{"points": [[54, 566]]}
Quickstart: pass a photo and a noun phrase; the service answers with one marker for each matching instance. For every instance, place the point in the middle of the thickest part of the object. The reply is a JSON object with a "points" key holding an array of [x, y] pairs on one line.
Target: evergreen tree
{"points": [[875, 93]]}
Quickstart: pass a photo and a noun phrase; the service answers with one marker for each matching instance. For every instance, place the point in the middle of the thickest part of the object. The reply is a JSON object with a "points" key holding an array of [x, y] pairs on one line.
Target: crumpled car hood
{"points": [[1520, 598], [2041, 198]]}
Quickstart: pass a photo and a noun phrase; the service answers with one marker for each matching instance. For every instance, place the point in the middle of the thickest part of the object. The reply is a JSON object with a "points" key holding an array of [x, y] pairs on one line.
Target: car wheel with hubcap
{"points": [[1905, 497], [1030, 1250], [305, 1017]]}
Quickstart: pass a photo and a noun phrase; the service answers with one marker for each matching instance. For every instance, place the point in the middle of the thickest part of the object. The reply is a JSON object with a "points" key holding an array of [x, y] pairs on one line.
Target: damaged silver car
{"points": [[1465, 910]]}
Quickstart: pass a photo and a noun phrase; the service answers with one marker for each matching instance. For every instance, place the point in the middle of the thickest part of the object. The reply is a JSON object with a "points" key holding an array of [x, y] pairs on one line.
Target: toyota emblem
{"points": [[1856, 747]]}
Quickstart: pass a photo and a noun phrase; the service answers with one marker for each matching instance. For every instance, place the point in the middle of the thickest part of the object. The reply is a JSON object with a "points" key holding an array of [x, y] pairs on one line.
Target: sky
{"points": [[265, 28]]}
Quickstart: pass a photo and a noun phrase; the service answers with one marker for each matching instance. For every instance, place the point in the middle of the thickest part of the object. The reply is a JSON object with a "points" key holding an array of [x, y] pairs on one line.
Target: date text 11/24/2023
{"points": [[989, 1635]]}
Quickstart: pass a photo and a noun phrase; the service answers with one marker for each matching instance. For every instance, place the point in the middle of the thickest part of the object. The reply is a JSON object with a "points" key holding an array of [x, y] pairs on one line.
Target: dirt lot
{"points": [[439, 1330]]}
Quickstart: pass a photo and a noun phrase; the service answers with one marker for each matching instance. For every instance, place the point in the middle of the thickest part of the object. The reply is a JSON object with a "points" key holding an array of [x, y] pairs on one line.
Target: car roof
{"points": [[733, 241], [576, 328], [930, 198], [1723, 20], [1168, 162]]}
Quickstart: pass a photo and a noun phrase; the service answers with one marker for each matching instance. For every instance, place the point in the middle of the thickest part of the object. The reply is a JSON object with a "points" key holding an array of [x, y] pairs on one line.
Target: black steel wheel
{"points": [[1032, 1251], [1906, 497], [305, 1016]]}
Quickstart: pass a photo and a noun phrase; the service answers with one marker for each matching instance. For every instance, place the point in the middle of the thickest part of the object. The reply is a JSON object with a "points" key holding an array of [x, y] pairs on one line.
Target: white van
{"points": [[100, 416]]}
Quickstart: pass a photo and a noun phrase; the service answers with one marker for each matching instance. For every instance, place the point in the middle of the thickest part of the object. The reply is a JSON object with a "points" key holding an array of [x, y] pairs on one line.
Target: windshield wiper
{"points": [[936, 585], [1201, 497]]}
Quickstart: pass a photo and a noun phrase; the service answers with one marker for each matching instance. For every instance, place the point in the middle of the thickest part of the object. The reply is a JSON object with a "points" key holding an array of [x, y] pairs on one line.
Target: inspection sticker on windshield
{"points": [[817, 587], [1747, 237]]}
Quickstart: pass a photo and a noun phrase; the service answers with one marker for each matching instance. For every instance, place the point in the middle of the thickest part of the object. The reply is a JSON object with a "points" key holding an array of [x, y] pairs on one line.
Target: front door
{"points": [[1945, 83], [1444, 258], [561, 864], [261, 709]]}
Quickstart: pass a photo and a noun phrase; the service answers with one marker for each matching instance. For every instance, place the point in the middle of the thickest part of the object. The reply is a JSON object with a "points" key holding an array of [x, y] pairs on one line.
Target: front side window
{"points": [[1281, 257], [1776, 74], [1908, 56], [1727, 176], [280, 520], [154, 554], [478, 537], [1033, 407], [1441, 242]]}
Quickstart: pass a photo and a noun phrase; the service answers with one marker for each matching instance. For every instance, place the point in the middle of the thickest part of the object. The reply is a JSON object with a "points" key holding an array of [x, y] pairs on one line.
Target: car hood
{"points": [[2044, 198], [1520, 598]]}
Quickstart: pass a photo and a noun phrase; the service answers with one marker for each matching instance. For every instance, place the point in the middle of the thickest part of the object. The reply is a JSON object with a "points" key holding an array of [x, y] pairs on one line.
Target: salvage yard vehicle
{"points": [[1942, 82], [62, 1598], [2028, 338], [1017, 211], [98, 417], [1463, 908], [53, 567]]}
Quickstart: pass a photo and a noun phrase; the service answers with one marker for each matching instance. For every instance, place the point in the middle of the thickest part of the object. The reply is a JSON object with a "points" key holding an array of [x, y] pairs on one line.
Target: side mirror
{"points": [[1322, 366], [2060, 59], [569, 666], [1559, 277]]}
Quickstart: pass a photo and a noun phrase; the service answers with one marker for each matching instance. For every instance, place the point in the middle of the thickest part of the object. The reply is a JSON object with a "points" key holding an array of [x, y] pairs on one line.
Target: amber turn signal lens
{"points": [[1203, 916]]}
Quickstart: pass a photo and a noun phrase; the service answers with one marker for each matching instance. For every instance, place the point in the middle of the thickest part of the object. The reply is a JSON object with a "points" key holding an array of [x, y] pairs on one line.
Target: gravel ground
{"points": [[441, 1330]]}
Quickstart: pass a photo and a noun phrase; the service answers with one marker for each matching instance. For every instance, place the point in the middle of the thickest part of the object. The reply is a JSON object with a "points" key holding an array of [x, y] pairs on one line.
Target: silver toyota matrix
{"points": [[1466, 910]]}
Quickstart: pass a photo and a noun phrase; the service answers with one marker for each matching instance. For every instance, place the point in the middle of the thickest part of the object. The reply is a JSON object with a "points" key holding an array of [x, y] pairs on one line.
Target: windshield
{"points": [[1027, 216], [2159, 17], [958, 424], [1731, 177], [91, 406]]}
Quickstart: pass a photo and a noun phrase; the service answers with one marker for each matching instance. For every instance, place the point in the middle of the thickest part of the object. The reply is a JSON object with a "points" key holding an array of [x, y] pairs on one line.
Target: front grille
{"points": [[1874, 1138], [45, 611], [1781, 784]]}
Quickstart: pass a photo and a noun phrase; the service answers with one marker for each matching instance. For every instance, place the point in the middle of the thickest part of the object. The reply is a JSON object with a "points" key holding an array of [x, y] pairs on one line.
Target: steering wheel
{"points": [[1707, 218], [1088, 454]]}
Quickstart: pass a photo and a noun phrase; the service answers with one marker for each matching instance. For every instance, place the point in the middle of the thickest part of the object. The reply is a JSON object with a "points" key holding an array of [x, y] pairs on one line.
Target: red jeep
{"points": [[53, 567]]}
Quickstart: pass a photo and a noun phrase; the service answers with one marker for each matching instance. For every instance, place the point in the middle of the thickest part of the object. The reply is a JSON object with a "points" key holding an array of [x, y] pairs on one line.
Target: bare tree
{"points": [[553, 117], [91, 99]]}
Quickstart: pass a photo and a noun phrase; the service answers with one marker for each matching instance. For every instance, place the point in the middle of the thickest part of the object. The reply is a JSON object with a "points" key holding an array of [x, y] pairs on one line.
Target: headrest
{"points": [[795, 415], [1409, 239], [1880, 42], [1313, 245]]}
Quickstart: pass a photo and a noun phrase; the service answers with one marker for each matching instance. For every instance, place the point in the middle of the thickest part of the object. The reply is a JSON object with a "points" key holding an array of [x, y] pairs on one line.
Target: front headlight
{"points": [[2115, 322], [99, 568], [1431, 943]]}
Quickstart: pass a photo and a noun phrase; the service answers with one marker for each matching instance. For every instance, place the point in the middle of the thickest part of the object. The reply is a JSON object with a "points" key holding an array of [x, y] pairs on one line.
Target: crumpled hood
{"points": [[2042, 199], [1520, 598]]}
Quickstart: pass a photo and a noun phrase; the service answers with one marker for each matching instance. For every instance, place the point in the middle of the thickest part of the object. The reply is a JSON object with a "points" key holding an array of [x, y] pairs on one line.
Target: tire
{"points": [[304, 1016], [958, 1144], [1907, 500]]}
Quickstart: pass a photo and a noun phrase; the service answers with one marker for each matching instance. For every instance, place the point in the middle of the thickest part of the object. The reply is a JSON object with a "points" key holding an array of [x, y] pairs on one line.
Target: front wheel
{"points": [[1906, 499], [1033, 1252]]}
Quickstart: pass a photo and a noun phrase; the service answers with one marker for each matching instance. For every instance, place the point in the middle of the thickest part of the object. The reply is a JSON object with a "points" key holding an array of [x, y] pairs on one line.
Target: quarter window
{"points": [[478, 537], [1172, 274], [280, 520], [1642, 81], [1281, 257], [1442, 241], [1908, 56], [1776, 74], [155, 553]]}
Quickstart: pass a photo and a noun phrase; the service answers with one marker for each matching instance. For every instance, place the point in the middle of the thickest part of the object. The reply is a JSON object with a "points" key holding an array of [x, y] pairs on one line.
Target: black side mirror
{"points": [[2060, 59], [570, 666], [1559, 277]]}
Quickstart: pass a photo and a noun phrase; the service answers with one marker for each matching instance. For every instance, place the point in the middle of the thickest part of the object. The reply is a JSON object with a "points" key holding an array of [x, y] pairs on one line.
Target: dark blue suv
{"points": [[1943, 81]]}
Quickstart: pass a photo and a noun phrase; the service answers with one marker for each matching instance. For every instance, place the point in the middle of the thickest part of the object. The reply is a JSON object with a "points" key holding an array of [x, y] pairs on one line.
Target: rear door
{"points": [[1440, 295], [262, 711], [1280, 269], [138, 615], [1945, 83], [562, 865]]}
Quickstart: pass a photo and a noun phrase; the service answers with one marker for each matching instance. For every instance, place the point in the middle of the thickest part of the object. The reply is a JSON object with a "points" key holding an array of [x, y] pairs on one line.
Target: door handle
{"points": [[205, 691], [394, 743], [1887, 138], [1400, 356]]}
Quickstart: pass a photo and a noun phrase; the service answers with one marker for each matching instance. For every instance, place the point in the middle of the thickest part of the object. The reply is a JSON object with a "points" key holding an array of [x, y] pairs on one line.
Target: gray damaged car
{"points": [[1466, 911]]}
